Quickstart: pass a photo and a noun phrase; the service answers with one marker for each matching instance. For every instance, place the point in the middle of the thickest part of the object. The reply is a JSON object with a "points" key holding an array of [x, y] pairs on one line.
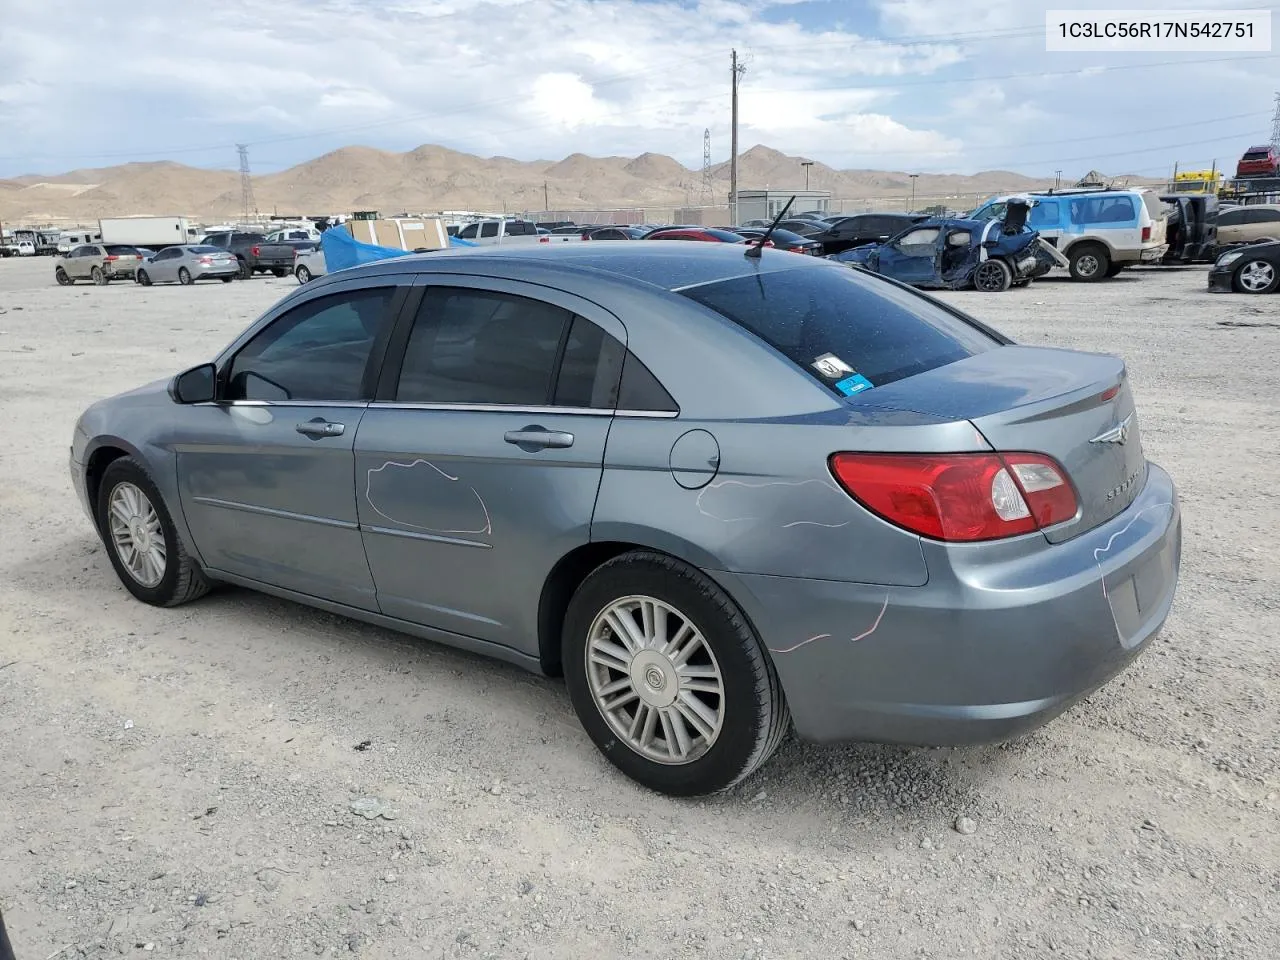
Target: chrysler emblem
{"points": [[1117, 434]]}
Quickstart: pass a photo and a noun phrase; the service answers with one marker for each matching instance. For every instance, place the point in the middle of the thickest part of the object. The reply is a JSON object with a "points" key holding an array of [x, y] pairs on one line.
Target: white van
{"points": [[1100, 232]]}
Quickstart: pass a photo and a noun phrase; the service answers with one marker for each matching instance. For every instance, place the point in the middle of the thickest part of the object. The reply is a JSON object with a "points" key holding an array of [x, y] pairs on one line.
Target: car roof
{"points": [[668, 265]]}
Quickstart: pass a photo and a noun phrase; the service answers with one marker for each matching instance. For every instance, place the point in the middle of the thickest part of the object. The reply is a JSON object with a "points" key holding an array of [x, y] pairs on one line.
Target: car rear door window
{"points": [[590, 369], [317, 351], [481, 347], [873, 328], [488, 230]]}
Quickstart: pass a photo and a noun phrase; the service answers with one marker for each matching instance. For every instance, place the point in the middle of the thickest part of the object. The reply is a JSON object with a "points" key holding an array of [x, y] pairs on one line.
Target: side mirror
{"points": [[196, 385]]}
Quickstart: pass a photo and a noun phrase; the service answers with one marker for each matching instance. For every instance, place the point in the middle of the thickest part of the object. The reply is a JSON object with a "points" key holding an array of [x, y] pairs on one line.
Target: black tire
{"points": [[1089, 262], [302, 273], [63, 278], [279, 272], [992, 276], [144, 278], [245, 270], [183, 579], [1238, 283], [227, 279], [1115, 269], [99, 276], [754, 712], [184, 277]]}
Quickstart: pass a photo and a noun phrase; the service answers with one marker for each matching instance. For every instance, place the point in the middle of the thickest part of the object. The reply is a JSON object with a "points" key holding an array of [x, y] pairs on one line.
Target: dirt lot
{"points": [[179, 781]]}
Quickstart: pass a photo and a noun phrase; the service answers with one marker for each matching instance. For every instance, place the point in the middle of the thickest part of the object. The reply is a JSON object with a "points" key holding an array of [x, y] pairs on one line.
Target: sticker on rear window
{"points": [[831, 366], [855, 384]]}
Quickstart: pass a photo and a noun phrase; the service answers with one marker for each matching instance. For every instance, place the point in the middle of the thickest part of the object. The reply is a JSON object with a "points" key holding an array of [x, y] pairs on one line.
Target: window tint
{"points": [[172, 253], [204, 249], [1044, 213], [591, 368], [469, 231], [870, 327], [316, 351], [122, 250], [1104, 209], [478, 346], [1231, 217], [1261, 216], [488, 229], [641, 390]]}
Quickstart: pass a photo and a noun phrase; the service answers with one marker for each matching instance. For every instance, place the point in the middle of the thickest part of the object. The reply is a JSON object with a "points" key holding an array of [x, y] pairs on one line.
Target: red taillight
{"points": [[544, 239], [1146, 234], [255, 250], [111, 256], [206, 260], [1108, 395], [959, 496]]}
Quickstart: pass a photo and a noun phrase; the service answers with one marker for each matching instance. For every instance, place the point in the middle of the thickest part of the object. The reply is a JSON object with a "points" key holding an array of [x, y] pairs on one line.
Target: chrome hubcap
{"points": [[136, 534], [655, 680], [1257, 275], [1087, 265]]}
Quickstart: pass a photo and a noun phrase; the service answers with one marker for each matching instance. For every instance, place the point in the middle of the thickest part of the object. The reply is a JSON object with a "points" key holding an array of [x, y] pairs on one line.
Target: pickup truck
{"points": [[255, 254], [492, 232]]}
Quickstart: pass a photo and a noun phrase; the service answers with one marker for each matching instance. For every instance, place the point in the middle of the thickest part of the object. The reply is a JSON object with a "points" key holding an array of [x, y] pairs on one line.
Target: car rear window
{"points": [[838, 324], [206, 249], [122, 250], [1155, 209]]}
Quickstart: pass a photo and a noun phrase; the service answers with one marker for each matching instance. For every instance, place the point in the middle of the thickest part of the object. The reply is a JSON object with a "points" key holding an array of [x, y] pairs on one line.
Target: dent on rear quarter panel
{"points": [[772, 507]]}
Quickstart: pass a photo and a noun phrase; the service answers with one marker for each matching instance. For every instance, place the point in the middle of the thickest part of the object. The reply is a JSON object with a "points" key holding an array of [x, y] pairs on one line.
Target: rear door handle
{"points": [[321, 428], [535, 437]]}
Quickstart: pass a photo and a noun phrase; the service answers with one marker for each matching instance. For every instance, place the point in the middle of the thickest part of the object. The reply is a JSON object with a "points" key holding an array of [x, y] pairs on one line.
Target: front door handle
{"points": [[535, 437], [318, 428]]}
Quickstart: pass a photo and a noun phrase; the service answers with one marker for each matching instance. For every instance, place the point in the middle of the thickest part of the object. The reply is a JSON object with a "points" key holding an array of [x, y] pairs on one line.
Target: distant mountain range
{"points": [[433, 178]]}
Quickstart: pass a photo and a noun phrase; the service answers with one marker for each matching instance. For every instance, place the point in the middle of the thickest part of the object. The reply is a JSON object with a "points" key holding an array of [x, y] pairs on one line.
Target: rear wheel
{"points": [[302, 273], [184, 276], [141, 540], [227, 279], [63, 278], [144, 278], [245, 271], [667, 677], [99, 276], [992, 276], [1256, 276], [1089, 262], [279, 272]]}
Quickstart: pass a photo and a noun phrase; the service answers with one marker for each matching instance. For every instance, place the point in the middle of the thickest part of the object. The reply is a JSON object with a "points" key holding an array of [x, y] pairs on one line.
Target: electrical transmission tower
{"points": [[1275, 125], [707, 196], [249, 205]]}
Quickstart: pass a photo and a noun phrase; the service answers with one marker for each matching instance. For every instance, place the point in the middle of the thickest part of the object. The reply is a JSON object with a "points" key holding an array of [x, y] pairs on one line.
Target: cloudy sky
{"points": [[926, 85]]}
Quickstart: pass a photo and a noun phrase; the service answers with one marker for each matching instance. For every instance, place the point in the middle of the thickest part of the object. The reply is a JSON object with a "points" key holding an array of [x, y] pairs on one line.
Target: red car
{"points": [[704, 234], [1260, 161]]}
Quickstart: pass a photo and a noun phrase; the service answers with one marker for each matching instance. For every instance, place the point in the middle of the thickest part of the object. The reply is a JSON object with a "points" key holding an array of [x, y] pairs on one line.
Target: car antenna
{"points": [[754, 250]]}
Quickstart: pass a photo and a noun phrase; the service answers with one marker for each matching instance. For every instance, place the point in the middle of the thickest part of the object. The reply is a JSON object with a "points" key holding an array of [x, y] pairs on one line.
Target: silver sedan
{"points": [[187, 264]]}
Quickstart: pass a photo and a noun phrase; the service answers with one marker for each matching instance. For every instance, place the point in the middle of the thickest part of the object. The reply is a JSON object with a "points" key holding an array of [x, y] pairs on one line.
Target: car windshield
{"points": [[836, 323]]}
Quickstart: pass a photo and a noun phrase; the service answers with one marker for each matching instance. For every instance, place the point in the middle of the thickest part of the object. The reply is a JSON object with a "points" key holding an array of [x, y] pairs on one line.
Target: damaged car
{"points": [[953, 254]]}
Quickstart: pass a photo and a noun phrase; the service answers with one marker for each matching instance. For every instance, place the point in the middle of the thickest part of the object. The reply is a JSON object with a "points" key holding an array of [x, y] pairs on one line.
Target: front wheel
{"points": [[99, 276], [142, 542], [63, 278], [667, 677], [144, 278], [1256, 276], [992, 276], [184, 276], [303, 274]]}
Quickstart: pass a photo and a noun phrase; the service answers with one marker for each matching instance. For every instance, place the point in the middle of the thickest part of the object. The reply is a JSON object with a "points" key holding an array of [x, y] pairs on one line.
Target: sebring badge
{"points": [[1117, 434]]}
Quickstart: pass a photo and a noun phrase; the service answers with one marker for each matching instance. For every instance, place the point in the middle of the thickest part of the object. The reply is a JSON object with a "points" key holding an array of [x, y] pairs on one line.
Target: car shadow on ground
{"points": [[842, 779]]}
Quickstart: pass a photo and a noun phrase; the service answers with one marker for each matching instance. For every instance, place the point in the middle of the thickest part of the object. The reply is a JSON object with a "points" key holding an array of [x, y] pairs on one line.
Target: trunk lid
{"points": [[1059, 403]]}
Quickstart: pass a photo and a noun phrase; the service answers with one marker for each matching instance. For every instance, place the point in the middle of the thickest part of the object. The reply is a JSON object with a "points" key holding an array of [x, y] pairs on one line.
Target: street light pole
{"points": [[806, 164], [913, 177]]}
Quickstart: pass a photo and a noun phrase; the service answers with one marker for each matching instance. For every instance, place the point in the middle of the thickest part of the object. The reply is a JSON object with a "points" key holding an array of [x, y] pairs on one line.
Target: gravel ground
{"points": [[180, 782]]}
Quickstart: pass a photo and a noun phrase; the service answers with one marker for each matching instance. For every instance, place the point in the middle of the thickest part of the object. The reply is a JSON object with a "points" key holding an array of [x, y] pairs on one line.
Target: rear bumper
{"points": [[988, 649], [1220, 281], [1153, 254], [274, 263], [219, 270]]}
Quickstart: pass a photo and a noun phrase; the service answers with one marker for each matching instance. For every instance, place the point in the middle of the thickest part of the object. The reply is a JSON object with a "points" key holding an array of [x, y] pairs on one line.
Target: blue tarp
{"points": [[342, 250]]}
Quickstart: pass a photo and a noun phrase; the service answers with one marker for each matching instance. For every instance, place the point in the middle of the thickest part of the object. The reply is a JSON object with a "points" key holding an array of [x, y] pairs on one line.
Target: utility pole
{"points": [[546, 202], [736, 70], [1275, 124], [912, 208], [1057, 179], [707, 193], [806, 164], [247, 202]]}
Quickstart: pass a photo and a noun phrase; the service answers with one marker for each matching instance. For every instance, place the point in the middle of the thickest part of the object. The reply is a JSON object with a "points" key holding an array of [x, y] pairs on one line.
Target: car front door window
{"points": [[318, 351]]}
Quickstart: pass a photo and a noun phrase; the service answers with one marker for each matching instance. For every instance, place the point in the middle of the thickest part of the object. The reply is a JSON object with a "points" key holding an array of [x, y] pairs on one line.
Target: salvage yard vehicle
{"points": [[308, 263], [863, 228], [696, 234], [99, 262], [187, 264], [488, 233], [1259, 161], [941, 253], [1252, 268], [1099, 231], [254, 253], [1248, 223], [1192, 230], [909, 529], [783, 240]]}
